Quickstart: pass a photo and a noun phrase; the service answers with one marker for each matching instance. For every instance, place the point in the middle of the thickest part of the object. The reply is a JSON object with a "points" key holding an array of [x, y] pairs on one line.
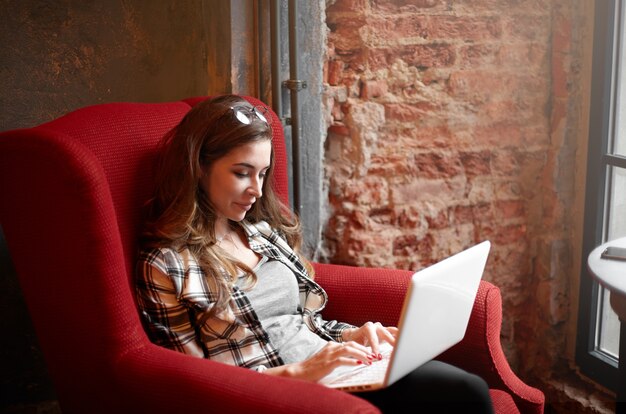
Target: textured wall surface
{"points": [[452, 122], [61, 55]]}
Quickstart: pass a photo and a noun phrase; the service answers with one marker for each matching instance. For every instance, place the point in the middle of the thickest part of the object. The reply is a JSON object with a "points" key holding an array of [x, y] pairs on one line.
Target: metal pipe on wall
{"points": [[258, 50], [277, 103], [294, 85]]}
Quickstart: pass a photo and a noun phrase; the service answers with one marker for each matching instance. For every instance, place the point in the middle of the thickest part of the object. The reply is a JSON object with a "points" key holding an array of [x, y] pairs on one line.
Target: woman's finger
{"points": [[388, 334], [372, 332], [353, 350]]}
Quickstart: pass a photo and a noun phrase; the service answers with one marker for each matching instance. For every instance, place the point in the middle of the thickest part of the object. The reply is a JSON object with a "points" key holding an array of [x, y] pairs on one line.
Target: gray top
{"points": [[275, 299]]}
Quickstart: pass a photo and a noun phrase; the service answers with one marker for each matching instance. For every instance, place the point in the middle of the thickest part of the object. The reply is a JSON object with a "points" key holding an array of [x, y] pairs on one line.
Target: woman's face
{"points": [[235, 181]]}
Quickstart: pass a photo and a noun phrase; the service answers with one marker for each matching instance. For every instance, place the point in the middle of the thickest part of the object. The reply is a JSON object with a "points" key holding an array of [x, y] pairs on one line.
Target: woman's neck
{"points": [[222, 229]]}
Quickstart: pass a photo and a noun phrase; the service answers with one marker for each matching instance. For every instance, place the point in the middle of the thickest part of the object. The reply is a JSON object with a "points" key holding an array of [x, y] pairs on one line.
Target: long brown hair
{"points": [[180, 215]]}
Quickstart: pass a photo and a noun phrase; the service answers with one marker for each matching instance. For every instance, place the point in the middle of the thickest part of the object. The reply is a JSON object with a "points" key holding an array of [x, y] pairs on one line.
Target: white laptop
{"points": [[434, 317]]}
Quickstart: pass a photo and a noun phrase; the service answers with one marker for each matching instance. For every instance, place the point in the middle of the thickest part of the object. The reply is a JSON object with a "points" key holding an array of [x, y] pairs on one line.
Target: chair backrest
{"points": [[73, 191]]}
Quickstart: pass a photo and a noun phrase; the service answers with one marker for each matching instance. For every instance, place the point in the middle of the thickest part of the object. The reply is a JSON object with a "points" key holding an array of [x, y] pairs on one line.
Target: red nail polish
{"points": [[359, 362], [380, 356]]}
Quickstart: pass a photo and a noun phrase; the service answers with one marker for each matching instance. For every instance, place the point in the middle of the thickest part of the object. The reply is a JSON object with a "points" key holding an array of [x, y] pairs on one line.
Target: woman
{"points": [[220, 275]]}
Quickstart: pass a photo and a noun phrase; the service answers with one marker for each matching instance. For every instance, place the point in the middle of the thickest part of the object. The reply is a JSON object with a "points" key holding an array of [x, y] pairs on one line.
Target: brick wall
{"points": [[452, 122]]}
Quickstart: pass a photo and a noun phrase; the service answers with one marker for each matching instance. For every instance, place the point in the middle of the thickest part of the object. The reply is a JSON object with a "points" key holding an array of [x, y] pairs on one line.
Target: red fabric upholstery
{"points": [[71, 210], [502, 402], [359, 295]]}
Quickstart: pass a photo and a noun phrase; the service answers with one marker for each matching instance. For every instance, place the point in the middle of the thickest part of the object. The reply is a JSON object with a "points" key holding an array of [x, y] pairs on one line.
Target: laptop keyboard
{"points": [[361, 374]]}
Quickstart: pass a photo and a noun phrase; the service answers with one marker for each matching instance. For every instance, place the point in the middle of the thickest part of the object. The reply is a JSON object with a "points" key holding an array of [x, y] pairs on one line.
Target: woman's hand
{"points": [[371, 334], [331, 356]]}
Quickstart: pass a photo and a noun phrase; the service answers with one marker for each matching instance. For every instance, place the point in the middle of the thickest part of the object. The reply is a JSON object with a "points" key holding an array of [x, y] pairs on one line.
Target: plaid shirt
{"points": [[174, 298]]}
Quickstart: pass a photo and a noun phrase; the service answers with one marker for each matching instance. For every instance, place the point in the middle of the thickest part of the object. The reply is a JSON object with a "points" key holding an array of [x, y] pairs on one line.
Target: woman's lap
{"points": [[434, 387]]}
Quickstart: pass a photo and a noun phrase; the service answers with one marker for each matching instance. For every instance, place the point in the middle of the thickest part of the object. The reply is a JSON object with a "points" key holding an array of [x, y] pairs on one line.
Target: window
{"points": [[605, 198]]}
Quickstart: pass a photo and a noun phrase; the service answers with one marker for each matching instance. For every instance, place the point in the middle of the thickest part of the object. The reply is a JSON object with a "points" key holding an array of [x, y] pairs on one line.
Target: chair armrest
{"points": [[358, 295], [157, 380], [481, 351]]}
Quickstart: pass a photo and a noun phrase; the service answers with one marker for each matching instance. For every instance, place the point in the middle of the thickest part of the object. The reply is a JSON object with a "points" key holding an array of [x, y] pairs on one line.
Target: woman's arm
{"points": [[333, 355], [164, 317]]}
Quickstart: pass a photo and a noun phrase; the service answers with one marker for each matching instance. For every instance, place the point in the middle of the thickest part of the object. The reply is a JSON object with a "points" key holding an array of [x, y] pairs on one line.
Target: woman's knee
{"points": [[472, 386], [454, 384]]}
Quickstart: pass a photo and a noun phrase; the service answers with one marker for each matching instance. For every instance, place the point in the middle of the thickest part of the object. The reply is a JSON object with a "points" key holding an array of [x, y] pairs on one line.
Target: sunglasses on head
{"points": [[244, 114]]}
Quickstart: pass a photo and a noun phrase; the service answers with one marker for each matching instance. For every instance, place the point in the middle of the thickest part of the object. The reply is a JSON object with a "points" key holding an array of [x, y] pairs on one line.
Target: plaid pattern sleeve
{"points": [[165, 318], [175, 299]]}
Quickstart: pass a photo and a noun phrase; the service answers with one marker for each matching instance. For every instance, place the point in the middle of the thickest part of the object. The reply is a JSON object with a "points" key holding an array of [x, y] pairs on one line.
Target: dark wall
{"points": [[56, 56]]}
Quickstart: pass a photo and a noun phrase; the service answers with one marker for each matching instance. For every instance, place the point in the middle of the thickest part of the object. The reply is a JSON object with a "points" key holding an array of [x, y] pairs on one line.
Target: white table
{"points": [[612, 275]]}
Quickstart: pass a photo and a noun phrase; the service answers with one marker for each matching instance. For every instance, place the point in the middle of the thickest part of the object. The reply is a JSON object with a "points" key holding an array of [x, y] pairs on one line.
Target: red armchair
{"points": [[71, 210]]}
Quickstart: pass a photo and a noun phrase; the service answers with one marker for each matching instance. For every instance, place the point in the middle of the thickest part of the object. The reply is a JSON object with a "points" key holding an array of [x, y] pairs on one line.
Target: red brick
{"points": [[510, 208], [344, 35], [389, 165], [408, 218], [410, 245], [389, 28], [437, 136], [501, 6], [422, 56], [338, 116], [499, 134], [439, 55], [481, 85], [397, 6], [382, 215], [373, 89], [529, 28], [502, 109], [437, 165], [530, 55], [378, 58], [335, 72], [506, 163], [471, 213], [514, 55], [440, 220], [408, 112], [359, 220], [339, 129], [479, 55], [510, 234], [405, 263], [510, 261], [368, 191], [534, 162], [476, 163], [464, 28], [347, 6]]}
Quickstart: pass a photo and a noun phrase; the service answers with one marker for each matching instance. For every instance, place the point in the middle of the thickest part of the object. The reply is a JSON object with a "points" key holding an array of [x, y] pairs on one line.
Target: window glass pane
{"points": [[607, 323], [617, 207], [608, 326]]}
